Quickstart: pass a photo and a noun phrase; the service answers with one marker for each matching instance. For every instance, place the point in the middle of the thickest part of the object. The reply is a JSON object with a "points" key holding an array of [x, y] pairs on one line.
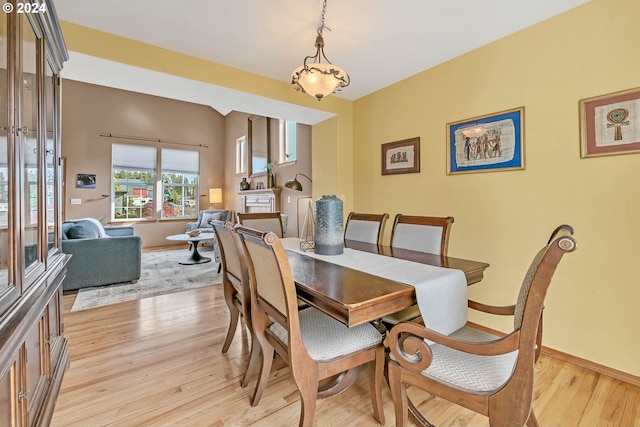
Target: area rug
{"points": [[161, 274]]}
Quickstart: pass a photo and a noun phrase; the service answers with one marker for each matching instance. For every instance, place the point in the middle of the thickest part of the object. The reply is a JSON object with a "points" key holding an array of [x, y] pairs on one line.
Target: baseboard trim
{"points": [[578, 361]]}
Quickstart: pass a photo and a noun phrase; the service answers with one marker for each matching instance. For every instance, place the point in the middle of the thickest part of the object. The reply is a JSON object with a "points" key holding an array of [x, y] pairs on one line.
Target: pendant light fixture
{"points": [[318, 78]]}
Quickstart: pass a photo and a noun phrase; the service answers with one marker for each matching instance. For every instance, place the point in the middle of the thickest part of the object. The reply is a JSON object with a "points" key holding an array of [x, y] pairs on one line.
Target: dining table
{"points": [[359, 295], [361, 285]]}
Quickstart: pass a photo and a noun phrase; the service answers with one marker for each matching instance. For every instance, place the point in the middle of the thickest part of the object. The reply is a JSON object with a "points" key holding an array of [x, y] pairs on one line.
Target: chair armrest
{"points": [[113, 231], [192, 226], [492, 309], [408, 346]]}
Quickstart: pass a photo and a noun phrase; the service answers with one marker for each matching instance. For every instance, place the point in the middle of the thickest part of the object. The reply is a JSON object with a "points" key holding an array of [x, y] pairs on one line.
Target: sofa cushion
{"points": [[206, 217], [82, 231]]}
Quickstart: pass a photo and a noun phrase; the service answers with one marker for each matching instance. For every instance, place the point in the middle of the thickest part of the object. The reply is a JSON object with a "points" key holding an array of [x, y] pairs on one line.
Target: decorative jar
{"points": [[329, 228], [244, 184]]}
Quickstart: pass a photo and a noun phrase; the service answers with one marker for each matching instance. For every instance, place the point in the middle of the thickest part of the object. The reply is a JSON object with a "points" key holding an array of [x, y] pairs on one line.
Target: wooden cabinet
{"points": [[33, 350]]}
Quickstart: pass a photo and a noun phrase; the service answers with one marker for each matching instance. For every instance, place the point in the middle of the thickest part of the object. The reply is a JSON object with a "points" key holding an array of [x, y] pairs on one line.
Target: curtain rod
{"points": [[140, 138]]}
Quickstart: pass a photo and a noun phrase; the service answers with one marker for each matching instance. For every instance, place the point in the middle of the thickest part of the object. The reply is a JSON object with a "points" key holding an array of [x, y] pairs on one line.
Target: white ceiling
{"points": [[378, 42]]}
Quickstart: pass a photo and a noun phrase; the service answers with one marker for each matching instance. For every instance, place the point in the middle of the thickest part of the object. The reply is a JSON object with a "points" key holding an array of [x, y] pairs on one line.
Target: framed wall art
{"points": [[494, 142], [610, 124], [401, 156], [86, 180]]}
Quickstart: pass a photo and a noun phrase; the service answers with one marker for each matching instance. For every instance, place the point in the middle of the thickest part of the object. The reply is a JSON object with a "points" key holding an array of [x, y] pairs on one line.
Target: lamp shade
{"points": [[294, 184], [215, 195], [319, 79]]}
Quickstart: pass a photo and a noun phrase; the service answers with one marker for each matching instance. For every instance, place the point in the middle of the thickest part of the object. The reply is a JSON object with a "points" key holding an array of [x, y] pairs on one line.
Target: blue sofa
{"points": [[100, 255]]}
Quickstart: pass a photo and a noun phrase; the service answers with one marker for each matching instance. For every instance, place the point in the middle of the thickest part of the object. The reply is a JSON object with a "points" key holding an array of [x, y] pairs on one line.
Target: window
{"points": [[287, 141], [241, 155], [179, 183], [134, 180]]}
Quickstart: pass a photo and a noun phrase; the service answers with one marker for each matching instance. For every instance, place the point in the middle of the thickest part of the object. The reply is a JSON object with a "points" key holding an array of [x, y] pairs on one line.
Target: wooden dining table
{"points": [[355, 297]]}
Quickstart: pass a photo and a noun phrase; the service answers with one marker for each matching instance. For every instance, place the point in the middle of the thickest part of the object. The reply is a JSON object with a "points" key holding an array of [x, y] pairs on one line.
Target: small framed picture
{"points": [[494, 142], [401, 156], [610, 124], [86, 180]]}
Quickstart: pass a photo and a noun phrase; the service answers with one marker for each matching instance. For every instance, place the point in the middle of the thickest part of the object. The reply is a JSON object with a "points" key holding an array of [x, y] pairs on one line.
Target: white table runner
{"points": [[441, 292]]}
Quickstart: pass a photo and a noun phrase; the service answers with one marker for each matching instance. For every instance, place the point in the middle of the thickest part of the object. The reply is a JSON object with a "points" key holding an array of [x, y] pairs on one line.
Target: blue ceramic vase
{"points": [[329, 233]]}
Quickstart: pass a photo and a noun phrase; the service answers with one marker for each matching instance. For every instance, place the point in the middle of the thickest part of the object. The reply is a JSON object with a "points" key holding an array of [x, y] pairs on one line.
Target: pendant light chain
{"points": [[321, 27]]}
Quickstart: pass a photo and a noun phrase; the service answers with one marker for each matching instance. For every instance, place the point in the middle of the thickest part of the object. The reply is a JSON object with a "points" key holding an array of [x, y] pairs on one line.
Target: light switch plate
{"points": [[76, 201]]}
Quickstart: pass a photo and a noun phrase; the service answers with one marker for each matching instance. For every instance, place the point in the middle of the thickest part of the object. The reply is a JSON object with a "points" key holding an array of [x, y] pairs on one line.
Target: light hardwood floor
{"points": [[158, 362]]}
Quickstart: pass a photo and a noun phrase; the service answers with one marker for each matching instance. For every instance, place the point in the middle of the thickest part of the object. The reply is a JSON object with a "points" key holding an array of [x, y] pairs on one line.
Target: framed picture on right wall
{"points": [[610, 124]]}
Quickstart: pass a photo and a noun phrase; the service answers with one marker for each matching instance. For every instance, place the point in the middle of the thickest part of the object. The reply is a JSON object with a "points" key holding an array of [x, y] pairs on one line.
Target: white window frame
{"points": [[241, 155], [287, 147]]}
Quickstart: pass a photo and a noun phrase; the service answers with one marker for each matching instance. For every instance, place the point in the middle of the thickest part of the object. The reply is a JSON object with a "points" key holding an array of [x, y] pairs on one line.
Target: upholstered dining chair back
{"points": [[421, 233], [488, 374], [366, 228], [262, 221], [235, 283], [315, 345]]}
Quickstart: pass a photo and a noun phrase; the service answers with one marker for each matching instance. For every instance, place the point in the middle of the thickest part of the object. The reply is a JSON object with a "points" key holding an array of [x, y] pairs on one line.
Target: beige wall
{"points": [[504, 217], [236, 125], [89, 110]]}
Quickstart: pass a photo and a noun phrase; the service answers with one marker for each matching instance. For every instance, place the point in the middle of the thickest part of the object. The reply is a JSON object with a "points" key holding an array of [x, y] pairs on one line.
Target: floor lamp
{"points": [[308, 225]]}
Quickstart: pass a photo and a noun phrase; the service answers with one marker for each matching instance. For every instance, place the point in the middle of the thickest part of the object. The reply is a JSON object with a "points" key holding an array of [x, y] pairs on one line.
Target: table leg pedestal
{"points": [[195, 257]]}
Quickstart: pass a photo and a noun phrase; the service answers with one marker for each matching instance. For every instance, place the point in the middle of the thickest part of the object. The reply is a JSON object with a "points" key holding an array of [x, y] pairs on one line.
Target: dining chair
{"points": [[315, 346], [365, 228], [488, 374], [428, 234], [262, 221], [235, 283]]}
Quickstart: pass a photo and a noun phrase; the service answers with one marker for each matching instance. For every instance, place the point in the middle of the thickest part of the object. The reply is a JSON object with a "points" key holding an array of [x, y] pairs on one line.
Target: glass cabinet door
{"points": [[51, 201], [8, 291], [28, 88]]}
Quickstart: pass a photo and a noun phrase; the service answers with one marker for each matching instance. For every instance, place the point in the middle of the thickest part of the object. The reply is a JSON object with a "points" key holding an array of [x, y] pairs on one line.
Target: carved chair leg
{"points": [[234, 314], [398, 393], [376, 378], [254, 359], [265, 370], [308, 400]]}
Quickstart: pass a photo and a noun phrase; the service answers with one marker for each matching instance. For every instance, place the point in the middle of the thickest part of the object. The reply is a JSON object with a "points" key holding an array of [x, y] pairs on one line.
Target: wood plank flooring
{"points": [[158, 362]]}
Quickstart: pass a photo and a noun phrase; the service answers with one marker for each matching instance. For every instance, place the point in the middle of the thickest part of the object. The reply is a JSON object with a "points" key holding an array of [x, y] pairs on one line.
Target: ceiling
{"points": [[378, 42]]}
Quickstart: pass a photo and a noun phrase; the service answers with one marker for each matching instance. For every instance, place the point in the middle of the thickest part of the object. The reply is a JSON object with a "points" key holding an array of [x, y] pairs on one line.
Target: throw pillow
{"points": [[79, 231], [90, 223], [216, 216]]}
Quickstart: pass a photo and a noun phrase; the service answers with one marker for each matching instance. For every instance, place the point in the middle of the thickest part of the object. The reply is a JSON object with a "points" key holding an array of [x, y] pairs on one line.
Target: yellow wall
{"points": [[501, 217], [504, 217]]}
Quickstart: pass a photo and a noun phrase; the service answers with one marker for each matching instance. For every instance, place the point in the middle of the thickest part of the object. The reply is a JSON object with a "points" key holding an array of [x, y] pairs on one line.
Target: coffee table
{"points": [[195, 257]]}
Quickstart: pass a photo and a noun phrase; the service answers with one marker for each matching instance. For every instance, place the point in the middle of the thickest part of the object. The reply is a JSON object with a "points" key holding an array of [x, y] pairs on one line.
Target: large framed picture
{"points": [[610, 124], [486, 143], [401, 156]]}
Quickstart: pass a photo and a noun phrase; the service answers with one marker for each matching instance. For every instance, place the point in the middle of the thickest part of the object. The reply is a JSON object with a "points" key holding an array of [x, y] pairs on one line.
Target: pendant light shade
{"points": [[318, 78]]}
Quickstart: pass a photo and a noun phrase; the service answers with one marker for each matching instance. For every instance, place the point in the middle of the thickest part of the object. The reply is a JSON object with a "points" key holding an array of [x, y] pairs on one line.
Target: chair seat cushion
{"points": [[478, 374], [325, 338]]}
